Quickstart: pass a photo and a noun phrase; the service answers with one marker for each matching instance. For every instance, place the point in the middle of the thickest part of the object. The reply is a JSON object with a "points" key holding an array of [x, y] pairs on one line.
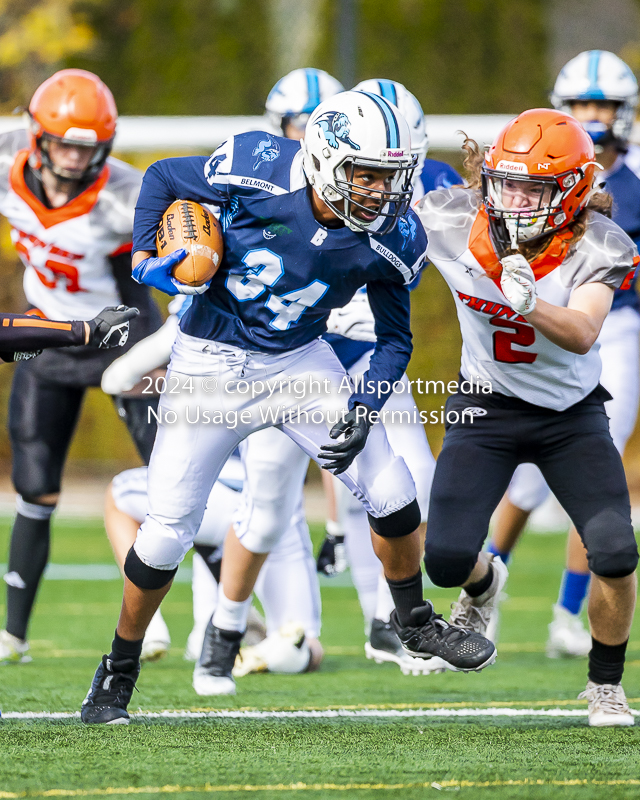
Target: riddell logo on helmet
{"points": [[81, 135], [394, 153], [512, 166]]}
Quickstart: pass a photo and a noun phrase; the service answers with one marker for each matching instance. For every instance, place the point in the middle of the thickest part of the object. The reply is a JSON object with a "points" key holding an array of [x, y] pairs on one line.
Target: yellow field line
{"points": [[208, 788], [383, 706]]}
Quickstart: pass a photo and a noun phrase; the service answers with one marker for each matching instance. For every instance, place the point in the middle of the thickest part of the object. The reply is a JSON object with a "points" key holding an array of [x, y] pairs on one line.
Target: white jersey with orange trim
{"points": [[499, 346], [65, 250]]}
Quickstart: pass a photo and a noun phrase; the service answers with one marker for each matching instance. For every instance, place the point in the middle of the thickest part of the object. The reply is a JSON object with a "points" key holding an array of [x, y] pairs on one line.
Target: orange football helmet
{"points": [[72, 107], [537, 176]]}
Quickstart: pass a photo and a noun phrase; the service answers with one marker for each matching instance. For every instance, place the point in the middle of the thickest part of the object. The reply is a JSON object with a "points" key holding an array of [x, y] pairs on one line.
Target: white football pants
{"points": [[409, 440], [288, 583], [620, 353], [217, 396]]}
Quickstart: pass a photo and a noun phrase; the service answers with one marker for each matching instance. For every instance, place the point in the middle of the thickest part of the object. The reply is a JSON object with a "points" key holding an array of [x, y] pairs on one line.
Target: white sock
{"points": [[231, 615], [384, 604], [205, 592]]}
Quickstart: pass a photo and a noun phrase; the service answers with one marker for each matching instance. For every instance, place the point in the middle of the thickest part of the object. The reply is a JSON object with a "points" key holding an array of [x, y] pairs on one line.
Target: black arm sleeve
{"points": [[23, 333]]}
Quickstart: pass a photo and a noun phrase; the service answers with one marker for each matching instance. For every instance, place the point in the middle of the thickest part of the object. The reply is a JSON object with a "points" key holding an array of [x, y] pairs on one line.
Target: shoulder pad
{"points": [[404, 247], [447, 216], [605, 254], [601, 234], [118, 199], [262, 158], [10, 143]]}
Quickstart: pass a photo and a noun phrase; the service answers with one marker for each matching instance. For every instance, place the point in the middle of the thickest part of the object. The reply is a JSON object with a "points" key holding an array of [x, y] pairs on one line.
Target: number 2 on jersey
{"points": [[521, 334], [264, 269]]}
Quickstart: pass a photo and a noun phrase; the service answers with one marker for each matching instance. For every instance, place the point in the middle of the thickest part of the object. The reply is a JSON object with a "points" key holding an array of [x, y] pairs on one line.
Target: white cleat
{"points": [[157, 639], [568, 638], [13, 650], [481, 614], [207, 685], [608, 705]]}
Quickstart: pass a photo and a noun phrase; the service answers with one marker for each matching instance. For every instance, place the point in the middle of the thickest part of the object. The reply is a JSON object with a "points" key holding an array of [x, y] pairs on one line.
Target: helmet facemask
{"points": [[297, 121], [392, 203], [523, 208], [87, 174]]}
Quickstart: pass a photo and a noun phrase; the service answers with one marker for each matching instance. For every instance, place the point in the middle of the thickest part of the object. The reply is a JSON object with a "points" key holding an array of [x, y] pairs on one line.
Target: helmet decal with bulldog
{"points": [[336, 128]]}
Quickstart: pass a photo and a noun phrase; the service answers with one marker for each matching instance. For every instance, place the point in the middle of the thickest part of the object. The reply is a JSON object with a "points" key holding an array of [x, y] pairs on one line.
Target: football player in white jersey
{"points": [[601, 92], [70, 208], [532, 267]]}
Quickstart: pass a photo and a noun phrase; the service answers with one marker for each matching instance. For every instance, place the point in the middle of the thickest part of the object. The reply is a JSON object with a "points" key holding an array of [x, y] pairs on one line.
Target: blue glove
{"points": [[157, 272]]}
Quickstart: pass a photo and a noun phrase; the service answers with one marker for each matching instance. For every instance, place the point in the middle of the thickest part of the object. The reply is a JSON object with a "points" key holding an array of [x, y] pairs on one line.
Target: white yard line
{"points": [[338, 713]]}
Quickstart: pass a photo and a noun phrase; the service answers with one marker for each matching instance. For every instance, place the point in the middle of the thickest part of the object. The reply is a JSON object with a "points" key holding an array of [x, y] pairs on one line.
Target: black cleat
{"points": [[212, 674], [384, 645], [110, 692], [429, 636]]}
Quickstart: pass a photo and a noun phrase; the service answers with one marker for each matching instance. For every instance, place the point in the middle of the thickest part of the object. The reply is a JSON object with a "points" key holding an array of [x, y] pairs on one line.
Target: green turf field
{"points": [[324, 756]]}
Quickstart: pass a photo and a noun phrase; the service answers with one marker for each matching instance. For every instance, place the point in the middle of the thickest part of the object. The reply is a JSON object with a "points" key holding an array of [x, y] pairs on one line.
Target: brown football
{"points": [[188, 225]]}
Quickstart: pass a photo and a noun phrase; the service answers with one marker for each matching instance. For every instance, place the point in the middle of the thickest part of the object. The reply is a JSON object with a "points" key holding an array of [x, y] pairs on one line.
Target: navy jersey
{"points": [[623, 183], [282, 272], [436, 175]]}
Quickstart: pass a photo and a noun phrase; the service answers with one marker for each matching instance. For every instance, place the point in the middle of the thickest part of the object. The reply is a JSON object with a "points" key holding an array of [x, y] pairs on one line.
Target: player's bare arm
{"points": [[576, 327]]}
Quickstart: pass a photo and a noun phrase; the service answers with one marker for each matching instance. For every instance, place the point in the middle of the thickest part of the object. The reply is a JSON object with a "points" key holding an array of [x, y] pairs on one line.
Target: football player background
{"points": [[71, 208], [601, 92]]}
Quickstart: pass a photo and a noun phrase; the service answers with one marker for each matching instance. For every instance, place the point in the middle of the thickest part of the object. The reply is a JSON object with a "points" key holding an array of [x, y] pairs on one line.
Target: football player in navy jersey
{"points": [[304, 228], [295, 96], [601, 92], [430, 173], [352, 336]]}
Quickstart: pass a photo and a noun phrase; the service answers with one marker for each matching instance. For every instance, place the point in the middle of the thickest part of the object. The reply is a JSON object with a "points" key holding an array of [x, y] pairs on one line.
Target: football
{"points": [[188, 225]]}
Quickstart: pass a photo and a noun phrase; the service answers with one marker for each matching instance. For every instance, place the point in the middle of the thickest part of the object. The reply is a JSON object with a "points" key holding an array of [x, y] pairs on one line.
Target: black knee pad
{"points": [[448, 568], [212, 557], [611, 545], [143, 576], [400, 523], [140, 423]]}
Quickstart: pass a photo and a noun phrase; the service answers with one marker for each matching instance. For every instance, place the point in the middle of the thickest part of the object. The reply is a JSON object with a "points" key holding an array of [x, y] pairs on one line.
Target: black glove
{"points": [[19, 355], [355, 426], [111, 327], [332, 558]]}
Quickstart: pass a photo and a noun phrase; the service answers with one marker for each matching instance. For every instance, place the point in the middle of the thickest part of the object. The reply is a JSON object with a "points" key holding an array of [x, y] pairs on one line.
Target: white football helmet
{"points": [[359, 129], [599, 75], [295, 96], [410, 108]]}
